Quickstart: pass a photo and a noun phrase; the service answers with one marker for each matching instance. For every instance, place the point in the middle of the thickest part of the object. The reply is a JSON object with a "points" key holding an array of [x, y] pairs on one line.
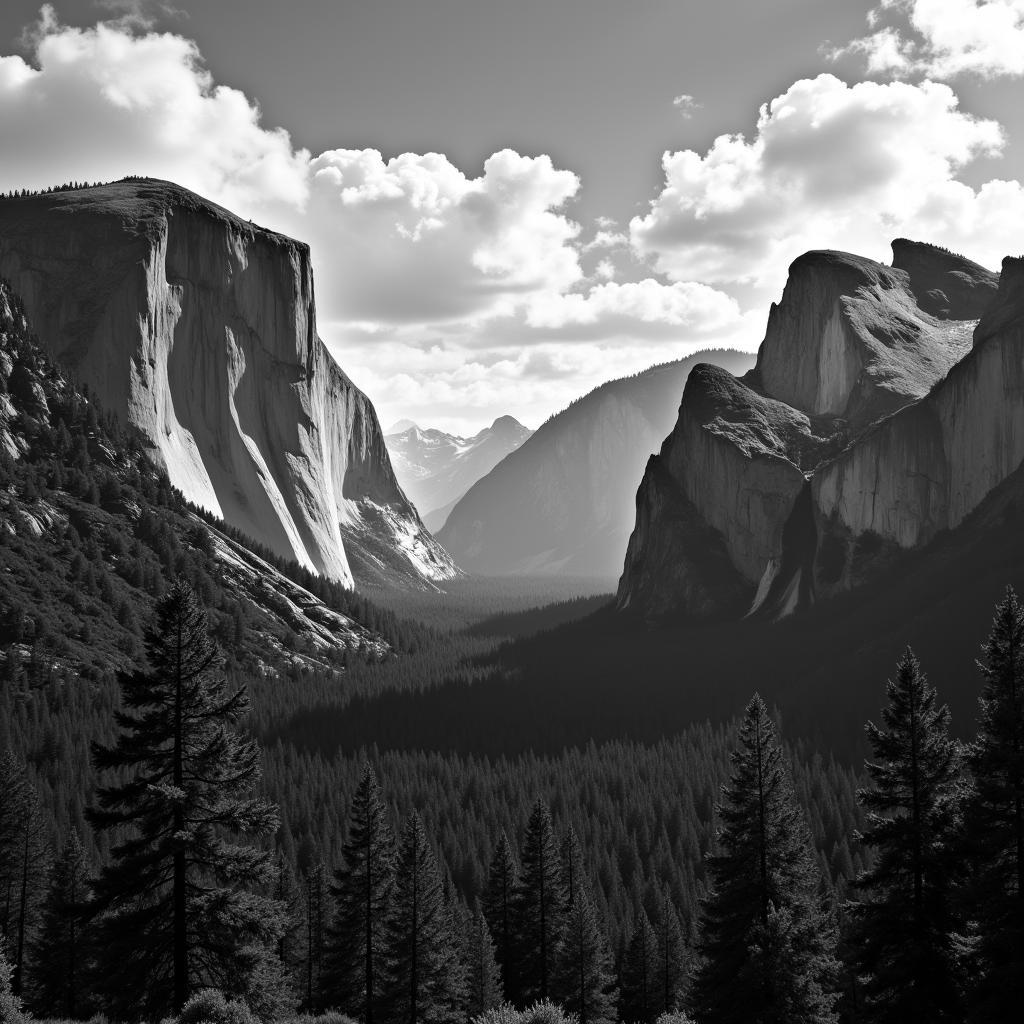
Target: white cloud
{"points": [[944, 38], [830, 166], [414, 239], [479, 274], [686, 105], [685, 309], [100, 103]]}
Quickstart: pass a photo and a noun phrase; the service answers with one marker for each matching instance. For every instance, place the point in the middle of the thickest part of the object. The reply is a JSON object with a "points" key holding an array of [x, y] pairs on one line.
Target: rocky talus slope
{"points": [[200, 329], [880, 412]]}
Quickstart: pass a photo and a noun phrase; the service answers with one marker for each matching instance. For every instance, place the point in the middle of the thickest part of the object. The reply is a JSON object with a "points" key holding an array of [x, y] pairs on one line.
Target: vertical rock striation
{"points": [[869, 424], [200, 329]]}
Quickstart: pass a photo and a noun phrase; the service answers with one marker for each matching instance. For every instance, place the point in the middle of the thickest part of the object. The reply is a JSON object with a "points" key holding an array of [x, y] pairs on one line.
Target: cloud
{"points": [[682, 310], [830, 166], [686, 105], [945, 38], [103, 102], [415, 239]]}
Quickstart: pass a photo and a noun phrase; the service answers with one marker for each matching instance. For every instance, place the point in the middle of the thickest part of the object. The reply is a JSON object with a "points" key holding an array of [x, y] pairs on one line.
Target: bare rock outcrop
{"points": [[200, 329], [868, 425]]}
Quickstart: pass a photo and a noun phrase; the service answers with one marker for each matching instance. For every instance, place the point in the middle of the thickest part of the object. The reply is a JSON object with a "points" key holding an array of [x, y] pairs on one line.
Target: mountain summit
{"points": [[880, 412], [436, 469], [200, 329]]}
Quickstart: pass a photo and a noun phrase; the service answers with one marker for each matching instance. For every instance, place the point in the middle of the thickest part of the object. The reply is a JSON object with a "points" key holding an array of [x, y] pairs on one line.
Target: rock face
{"points": [[562, 502], [868, 425], [436, 469], [200, 329]]}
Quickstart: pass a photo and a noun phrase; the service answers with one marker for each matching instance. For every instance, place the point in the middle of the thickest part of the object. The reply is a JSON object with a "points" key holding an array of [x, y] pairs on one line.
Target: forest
{"points": [[205, 816]]}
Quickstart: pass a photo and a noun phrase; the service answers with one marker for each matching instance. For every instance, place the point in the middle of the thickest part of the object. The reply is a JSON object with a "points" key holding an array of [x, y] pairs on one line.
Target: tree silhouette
{"points": [[903, 931], [767, 945], [180, 899]]}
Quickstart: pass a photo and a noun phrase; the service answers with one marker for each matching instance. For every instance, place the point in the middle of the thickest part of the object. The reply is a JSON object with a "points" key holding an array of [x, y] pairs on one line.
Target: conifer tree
{"points": [[540, 901], [903, 931], [994, 821], [670, 981], [498, 909], [60, 950], [423, 968], [180, 899], [483, 989], [354, 973], [315, 919], [587, 979], [572, 866], [290, 951], [640, 965], [767, 945], [28, 850]]}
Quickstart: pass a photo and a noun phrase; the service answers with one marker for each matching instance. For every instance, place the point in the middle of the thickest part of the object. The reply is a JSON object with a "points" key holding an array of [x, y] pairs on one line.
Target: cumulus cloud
{"points": [[415, 239], [686, 105], [830, 166], [103, 102], [469, 282], [944, 38]]}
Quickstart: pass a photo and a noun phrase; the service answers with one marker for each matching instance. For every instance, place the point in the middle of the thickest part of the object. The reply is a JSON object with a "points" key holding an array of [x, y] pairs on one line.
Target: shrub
{"points": [[10, 1004], [539, 1013], [678, 1017], [210, 1007]]}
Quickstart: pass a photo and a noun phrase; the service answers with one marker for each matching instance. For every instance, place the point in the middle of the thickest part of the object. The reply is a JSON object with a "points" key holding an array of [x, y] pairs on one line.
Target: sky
{"points": [[510, 203]]}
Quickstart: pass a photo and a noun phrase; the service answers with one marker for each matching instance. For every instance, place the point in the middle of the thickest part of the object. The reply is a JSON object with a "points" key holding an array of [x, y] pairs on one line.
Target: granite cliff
{"points": [[200, 329], [879, 413], [562, 502]]}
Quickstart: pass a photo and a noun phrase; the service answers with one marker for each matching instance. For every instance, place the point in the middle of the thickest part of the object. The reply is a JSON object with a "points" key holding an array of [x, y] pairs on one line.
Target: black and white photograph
{"points": [[511, 512]]}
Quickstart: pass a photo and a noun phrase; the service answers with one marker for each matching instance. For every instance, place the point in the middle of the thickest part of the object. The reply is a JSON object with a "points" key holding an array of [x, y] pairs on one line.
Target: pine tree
{"points": [[354, 977], [179, 899], [498, 909], [640, 974], [587, 980], [767, 945], [12, 795], [670, 981], [26, 873], [315, 919], [994, 821], [423, 969], [60, 950], [484, 991], [539, 908], [573, 877], [290, 950], [903, 932]]}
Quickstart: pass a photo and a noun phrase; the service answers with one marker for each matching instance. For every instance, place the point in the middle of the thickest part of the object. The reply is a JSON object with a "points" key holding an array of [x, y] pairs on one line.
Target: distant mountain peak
{"points": [[400, 427]]}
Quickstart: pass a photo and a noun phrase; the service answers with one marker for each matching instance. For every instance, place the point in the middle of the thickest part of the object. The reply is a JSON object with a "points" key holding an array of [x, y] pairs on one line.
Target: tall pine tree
{"points": [[586, 978], [483, 978], [180, 899], [498, 909], [640, 966], [767, 946], [903, 931], [540, 901], [994, 821], [61, 949], [424, 974], [670, 981], [354, 973]]}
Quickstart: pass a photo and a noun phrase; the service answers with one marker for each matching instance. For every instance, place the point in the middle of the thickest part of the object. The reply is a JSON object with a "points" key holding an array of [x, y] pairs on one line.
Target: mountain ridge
{"points": [[561, 503]]}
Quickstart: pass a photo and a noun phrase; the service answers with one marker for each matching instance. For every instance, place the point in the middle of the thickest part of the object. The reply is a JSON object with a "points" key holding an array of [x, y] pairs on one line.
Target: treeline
{"points": [[191, 895]]}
